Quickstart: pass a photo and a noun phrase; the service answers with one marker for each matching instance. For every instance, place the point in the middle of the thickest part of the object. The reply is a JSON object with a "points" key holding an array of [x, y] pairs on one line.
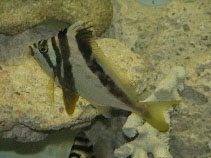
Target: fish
{"points": [[82, 147], [77, 64]]}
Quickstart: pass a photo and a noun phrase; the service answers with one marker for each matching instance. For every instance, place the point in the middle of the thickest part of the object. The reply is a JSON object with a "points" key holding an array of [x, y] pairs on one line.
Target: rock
{"points": [[106, 135], [13, 47], [31, 21], [160, 35], [147, 140], [57, 144], [22, 134], [129, 127], [25, 95], [169, 87], [191, 95], [18, 16]]}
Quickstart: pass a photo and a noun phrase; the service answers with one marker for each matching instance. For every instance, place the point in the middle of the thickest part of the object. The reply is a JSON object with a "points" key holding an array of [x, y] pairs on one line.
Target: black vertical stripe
{"points": [[87, 149], [45, 54], [35, 45], [83, 40], [108, 82], [74, 155], [81, 139], [58, 59], [68, 80], [82, 147]]}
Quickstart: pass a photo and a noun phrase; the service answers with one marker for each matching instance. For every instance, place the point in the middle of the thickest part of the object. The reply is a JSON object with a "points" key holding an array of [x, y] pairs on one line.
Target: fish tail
{"points": [[154, 113]]}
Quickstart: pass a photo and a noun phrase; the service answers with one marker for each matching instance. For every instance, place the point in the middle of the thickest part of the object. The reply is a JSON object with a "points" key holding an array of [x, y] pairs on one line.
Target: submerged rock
{"points": [[17, 16], [161, 36], [26, 97], [57, 144], [147, 141]]}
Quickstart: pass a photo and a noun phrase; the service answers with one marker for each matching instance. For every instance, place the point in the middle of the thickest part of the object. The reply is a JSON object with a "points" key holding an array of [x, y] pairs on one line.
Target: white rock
{"points": [[130, 127], [149, 139], [167, 88]]}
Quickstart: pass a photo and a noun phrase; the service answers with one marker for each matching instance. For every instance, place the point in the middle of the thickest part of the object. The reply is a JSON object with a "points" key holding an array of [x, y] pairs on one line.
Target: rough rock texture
{"points": [[32, 21], [57, 144], [25, 95], [16, 46], [147, 140], [107, 135], [147, 143], [17, 16], [175, 34]]}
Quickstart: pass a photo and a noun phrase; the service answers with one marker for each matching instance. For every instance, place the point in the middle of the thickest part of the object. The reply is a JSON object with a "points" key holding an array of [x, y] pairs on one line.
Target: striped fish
{"points": [[82, 147], [74, 60]]}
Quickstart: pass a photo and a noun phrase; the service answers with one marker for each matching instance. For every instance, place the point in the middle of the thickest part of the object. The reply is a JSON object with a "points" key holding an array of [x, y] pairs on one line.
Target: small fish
{"points": [[74, 60], [82, 147]]}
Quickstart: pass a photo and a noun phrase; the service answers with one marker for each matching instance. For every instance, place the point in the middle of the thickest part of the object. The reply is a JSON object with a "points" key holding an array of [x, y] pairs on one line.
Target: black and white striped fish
{"points": [[82, 147], [74, 60]]}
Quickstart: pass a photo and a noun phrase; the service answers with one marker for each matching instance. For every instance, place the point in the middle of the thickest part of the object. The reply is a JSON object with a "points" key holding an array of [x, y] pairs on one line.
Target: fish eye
{"points": [[43, 47]]}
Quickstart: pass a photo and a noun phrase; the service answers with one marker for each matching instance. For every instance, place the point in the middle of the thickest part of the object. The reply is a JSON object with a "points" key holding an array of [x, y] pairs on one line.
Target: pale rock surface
{"points": [[132, 122], [56, 145], [149, 140], [25, 100], [18, 16], [168, 88], [176, 34]]}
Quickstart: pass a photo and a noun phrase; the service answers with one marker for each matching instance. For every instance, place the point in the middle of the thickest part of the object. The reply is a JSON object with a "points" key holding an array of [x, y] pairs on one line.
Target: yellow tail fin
{"points": [[154, 114]]}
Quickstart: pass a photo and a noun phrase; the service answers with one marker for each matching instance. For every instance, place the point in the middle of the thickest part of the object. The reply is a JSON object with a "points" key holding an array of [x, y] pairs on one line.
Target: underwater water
{"points": [[154, 2], [139, 86]]}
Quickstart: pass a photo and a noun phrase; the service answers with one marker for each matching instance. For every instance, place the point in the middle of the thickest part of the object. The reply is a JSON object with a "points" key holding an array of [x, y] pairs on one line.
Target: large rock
{"points": [[17, 16], [177, 33], [25, 104], [146, 140]]}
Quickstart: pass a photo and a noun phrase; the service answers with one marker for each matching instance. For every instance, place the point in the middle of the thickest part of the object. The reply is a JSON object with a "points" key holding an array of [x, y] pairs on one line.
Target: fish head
{"points": [[43, 53], [39, 50]]}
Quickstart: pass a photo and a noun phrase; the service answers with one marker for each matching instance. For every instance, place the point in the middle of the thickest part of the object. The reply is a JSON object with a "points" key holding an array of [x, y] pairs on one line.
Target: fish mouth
{"points": [[31, 51]]}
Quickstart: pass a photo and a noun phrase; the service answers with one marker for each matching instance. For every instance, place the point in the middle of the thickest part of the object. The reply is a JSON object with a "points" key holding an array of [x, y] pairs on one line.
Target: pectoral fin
{"points": [[154, 114], [50, 91], [70, 99]]}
